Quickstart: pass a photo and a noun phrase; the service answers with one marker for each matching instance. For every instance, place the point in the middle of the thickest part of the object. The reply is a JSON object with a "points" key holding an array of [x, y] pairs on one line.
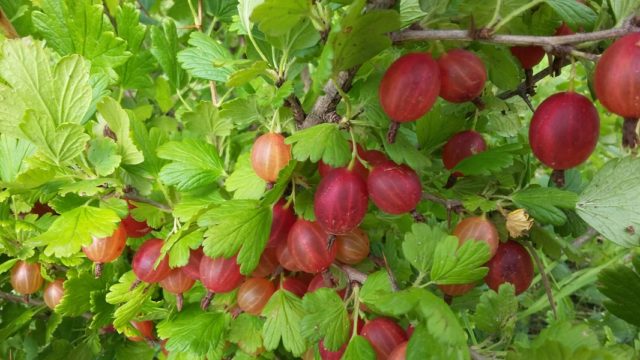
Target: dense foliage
{"points": [[324, 179]]}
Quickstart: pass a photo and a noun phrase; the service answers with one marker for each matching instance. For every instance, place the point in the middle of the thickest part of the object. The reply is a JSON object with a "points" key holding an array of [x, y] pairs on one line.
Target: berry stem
{"points": [[179, 301], [529, 83], [478, 103], [393, 131], [630, 133], [135, 284], [98, 270], [557, 176], [206, 300]]}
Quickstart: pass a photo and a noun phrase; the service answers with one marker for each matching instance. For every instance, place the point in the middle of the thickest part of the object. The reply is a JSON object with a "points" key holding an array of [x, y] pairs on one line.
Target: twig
{"points": [[138, 198], [144, 10], [328, 102], [296, 108], [7, 27], [20, 299], [353, 274], [521, 89], [520, 40], [584, 238], [449, 205], [545, 278]]}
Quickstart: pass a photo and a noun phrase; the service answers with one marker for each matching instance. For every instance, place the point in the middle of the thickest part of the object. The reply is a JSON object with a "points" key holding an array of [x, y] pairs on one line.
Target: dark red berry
{"points": [[384, 335], [564, 130], [220, 275], [144, 262], [460, 146], [308, 245], [529, 56], [395, 189], [511, 264], [340, 202], [462, 76]]}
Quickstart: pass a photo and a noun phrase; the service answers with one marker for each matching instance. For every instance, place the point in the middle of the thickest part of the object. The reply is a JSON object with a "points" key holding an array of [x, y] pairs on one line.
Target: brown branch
{"points": [[296, 108], [138, 198], [521, 89], [353, 274], [520, 40], [544, 277], [7, 27], [328, 102], [20, 299]]}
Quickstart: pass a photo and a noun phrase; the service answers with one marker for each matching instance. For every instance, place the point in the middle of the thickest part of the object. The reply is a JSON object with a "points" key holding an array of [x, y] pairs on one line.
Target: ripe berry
{"points": [[308, 245], [144, 262], [254, 294], [374, 157], [283, 219], [462, 76], [145, 328], [53, 293], [220, 275], [326, 354], [384, 335], [400, 352], [294, 285], [353, 247], [106, 249], [270, 155], [564, 29], [410, 87], [26, 278], [177, 282], [460, 146], [268, 262], [476, 228], [512, 263], [192, 269], [564, 130], [286, 260], [617, 83], [340, 202], [133, 227], [529, 56], [41, 209], [395, 189]]}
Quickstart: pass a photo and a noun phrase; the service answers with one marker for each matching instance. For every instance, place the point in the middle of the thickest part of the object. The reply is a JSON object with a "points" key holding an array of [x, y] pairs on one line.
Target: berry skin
{"points": [[410, 87], [512, 263], [308, 246], [26, 278], [564, 130], [144, 262], [462, 76], [384, 335], [529, 56], [395, 189], [254, 294], [269, 155], [106, 249], [133, 227], [460, 146], [341, 201], [281, 223], [220, 275], [353, 247], [53, 293]]}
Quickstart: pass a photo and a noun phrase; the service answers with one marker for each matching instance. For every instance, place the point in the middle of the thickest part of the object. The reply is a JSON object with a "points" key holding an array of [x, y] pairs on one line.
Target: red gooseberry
{"points": [[145, 328], [340, 202], [462, 76], [395, 189], [177, 282], [268, 262], [254, 294], [282, 220], [144, 262], [294, 285], [353, 247], [269, 155], [460, 146], [53, 293], [192, 269], [133, 227], [106, 249], [400, 352], [308, 245], [26, 278], [511, 264], [564, 130], [384, 335]]}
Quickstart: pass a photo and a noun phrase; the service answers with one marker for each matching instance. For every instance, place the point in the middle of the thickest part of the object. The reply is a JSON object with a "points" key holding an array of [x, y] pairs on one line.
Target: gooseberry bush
{"points": [[328, 179]]}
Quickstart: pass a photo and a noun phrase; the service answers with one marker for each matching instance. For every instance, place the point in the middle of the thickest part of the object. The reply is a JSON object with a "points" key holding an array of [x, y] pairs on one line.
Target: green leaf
{"points": [[425, 344], [488, 162], [610, 202], [359, 348], [246, 332], [7, 265], [164, 48], [103, 155], [496, 311], [245, 9], [9, 328], [404, 150], [60, 94], [205, 121], [563, 339], [80, 27], [503, 69], [77, 293], [206, 58], [284, 314], [544, 204], [193, 330], [574, 13], [246, 75], [453, 265], [180, 250], [621, 284], [442, 325], [243, 182], [86, 187], [439, 124], [148, 213], [276, 18], [117, 119], [135, 72], [13, 155], [148, 141], [194, 164], [237, 225], [58, 145], [622, 9], [131, 302], [326, 318], [74, 229], [321, 142], [419, 245]]}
